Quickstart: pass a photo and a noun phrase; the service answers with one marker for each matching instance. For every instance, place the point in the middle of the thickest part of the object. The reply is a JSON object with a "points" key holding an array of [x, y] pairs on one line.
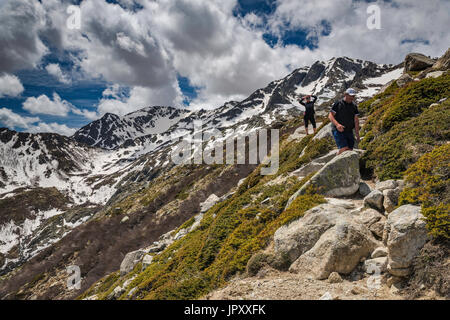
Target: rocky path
{"points": [[350, 234], [272, 284]]}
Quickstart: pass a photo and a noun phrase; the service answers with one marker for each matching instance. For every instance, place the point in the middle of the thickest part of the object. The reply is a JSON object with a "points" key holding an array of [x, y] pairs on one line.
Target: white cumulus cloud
{"points": [[44, 105], [10, 85], [55, 70]]}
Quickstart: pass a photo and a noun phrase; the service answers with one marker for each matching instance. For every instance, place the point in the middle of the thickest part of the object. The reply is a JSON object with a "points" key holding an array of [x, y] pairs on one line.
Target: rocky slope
{"points": [[198, 225]]}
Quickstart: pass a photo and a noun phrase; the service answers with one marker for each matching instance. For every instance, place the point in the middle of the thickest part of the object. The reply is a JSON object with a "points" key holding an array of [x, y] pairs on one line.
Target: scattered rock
{"points": [[128, 281], [390, 199], [405, 234], [130, 260], [376, 265], [334, 277], [307, 169], [131, 292], [356, 290], [116, 293], [326, 296], [208, 203], [379, 252], [374, 200], [387, 184], [157, 246], [339, 177], [404, 79], [392, 280], [373, 220], [300, 235], [418, 62], [146, 261], [125, 219], [443, 62], [377, 228], [369, 216], [434, 74], [339, 249], [324, 132], [364, 189]]}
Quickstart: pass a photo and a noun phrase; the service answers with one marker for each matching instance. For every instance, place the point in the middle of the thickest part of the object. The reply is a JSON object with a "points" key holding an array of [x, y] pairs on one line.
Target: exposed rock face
{"points": [[339, 177], [208, 203], [443, 63], [387, 184], [373, 220], [334, 277], [324, 132], [417, 62], [364, 189], [404, 79], [405, 234], [300, 235], [379, 252], [434, 74], [375, 265], [390, 199], [314, 165], [374, 200], [146, 261], [339, 249], [326, 239], [131, 259]]}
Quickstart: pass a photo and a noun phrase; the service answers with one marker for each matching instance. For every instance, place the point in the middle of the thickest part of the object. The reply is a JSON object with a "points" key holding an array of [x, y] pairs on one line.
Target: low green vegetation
{"points": [[414, 98], [390, 154], [230, 233], [403, 127], [233, 234], [429, 180]]}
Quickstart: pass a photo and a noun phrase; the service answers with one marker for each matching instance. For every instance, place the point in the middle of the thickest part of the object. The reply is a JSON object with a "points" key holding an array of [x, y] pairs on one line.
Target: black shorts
{"points": [[309, 117]]}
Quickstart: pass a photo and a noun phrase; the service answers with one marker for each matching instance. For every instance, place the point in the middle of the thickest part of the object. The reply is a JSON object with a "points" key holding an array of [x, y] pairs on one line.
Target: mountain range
{"points": [[112, 186]]}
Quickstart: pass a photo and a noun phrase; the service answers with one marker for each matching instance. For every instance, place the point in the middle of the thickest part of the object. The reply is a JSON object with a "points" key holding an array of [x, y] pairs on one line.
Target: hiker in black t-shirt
{"points": [[344, 118], [309, 111]]}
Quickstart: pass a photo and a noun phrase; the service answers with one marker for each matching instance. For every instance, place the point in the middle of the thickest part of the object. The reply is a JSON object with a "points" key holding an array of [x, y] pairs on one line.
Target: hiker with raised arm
{"points": [[344, 117], [308, 103]]}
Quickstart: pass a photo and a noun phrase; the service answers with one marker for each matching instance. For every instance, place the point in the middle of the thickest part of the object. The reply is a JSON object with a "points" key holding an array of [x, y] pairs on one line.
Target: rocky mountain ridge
{"points": [[150, 197]]}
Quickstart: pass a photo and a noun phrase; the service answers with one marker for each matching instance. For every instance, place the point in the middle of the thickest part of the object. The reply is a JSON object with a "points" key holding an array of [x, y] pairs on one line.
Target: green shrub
{"points": [[391, 153], [429, 180], [414, 98]]}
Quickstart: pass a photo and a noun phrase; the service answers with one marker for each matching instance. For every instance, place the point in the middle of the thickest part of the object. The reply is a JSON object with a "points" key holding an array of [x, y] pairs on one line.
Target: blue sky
{"points": [[131, 54]]}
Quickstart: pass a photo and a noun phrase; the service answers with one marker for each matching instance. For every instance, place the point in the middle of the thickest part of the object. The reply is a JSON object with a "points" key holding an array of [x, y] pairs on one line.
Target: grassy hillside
{"points": [[229, 234], [402, 131], [401, 125]]}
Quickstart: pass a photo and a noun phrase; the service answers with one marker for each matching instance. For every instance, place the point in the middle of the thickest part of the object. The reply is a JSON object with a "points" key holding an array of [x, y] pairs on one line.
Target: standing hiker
{"points": [[344, 118], [309, 111]]}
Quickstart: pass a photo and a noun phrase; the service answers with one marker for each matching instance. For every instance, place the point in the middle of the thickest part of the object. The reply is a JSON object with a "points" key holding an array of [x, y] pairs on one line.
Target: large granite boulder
{"points": [[404, 79], [418, 62], [443, 63], [339, 177], [209, 203], [327, 238], [325, 132], [404, 235], [130, 261], [374, 200], [339, 249]]}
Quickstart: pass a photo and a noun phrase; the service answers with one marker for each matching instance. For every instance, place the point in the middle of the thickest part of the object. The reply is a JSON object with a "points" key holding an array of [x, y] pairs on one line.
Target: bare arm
{"points": [[337, 124]]}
